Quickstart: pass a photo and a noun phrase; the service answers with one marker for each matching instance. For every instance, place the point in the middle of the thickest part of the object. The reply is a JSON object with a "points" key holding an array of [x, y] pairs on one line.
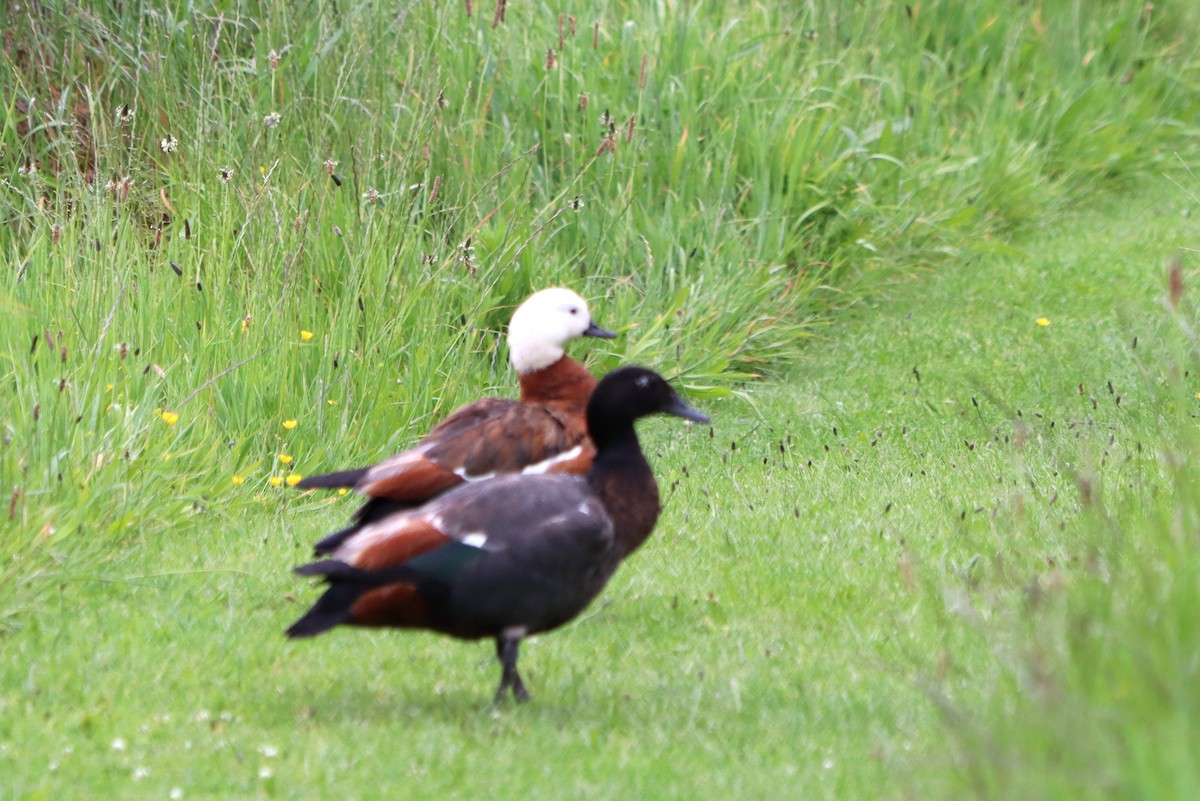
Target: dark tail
{"points": [[342, 478], [331, 609], [346, 585], [331, 543]]}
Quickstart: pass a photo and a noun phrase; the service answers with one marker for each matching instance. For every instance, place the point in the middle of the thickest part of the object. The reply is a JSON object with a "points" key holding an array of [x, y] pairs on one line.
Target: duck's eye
{"points": [[574, 310]]}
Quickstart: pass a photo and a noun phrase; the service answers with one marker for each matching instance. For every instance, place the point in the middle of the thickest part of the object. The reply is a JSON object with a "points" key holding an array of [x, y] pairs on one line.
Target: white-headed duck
{"points": [[544, 432]]}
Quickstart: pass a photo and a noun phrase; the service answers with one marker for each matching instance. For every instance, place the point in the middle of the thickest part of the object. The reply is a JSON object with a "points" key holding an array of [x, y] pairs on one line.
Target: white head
{"points": [[543, 324]]}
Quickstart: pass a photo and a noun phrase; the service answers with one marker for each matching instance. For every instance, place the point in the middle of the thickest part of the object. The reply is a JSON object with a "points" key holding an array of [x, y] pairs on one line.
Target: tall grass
{"points": [[190, 186]]}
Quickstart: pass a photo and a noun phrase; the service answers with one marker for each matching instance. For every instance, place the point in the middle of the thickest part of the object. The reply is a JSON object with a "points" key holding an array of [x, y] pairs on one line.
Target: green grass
{"points": [[1011, 535], [781, 165], [843, 599], [878, 577]]}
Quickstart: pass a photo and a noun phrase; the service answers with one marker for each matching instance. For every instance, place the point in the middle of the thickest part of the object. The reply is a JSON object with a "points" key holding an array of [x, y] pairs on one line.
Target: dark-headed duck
{"points": [[512, 556], [545, 431]]}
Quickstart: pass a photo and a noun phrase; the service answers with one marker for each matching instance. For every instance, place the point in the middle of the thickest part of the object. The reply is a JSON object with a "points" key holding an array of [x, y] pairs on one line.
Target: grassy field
{"points": [[864, 585], [946, 549]]}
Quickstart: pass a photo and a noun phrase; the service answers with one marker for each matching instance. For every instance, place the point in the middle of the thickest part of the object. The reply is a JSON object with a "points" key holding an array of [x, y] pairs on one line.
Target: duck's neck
{"points": [[621, 476], [565, 383]]}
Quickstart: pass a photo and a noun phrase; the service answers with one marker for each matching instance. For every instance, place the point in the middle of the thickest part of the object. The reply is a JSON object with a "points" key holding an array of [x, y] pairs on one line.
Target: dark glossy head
{"points": [[628, 393]]}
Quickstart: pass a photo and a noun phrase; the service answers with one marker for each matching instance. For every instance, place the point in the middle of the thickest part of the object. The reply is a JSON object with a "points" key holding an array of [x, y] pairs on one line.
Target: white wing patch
{"points": [[475, 540], [462, 473], [545, 465]]}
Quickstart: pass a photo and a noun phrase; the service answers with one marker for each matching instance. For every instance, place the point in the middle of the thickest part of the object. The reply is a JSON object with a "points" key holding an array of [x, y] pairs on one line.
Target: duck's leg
{"points": [[508, 645]]}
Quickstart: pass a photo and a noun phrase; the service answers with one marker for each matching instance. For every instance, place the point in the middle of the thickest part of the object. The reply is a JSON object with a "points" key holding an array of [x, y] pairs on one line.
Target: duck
{"points": [[544, 431], [510, 557]]}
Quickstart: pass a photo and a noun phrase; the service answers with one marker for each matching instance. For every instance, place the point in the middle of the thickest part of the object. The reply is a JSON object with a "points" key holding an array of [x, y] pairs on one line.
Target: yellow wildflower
{"points": [[343, 490], [290, 424], [237, 479], [293, 479], [285, 459], [306, 335], [276, 481], [1042, 321], [170, 418]]}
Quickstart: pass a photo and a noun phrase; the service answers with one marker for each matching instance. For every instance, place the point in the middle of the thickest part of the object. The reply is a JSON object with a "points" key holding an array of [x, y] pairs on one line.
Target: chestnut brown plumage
{"points": [[545, 431], [508, 557]]}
